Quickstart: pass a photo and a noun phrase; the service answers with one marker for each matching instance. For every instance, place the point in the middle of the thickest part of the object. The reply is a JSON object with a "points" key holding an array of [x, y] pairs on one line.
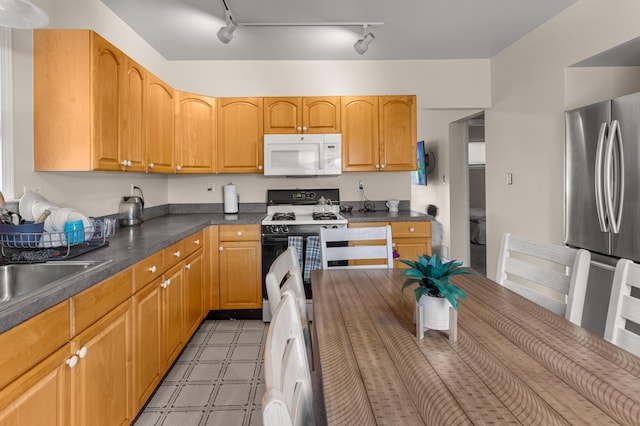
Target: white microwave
{"points": [[303, 155]]}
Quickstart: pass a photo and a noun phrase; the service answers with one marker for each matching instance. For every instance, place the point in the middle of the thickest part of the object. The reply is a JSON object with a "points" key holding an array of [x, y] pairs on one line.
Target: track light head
{"points": [[225, 34], [362, 45]]}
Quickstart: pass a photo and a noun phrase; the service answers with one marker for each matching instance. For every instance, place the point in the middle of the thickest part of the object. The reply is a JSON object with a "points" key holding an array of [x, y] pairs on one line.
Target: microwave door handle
{"points": [[614, 214], [599, 187]]}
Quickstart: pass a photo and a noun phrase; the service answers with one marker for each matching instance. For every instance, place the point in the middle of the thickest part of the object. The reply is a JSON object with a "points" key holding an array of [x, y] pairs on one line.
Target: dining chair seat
{"points": [[286, 370], [553, 276], [624, 306], [360, 245]]}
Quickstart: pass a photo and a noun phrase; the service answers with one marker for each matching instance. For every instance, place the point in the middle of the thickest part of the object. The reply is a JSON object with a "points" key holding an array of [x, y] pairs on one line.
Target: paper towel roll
{"points": [[230, 199]]}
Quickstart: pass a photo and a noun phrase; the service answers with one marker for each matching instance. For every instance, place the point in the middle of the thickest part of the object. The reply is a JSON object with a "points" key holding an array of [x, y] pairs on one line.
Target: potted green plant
{"points": [[434, 291]]}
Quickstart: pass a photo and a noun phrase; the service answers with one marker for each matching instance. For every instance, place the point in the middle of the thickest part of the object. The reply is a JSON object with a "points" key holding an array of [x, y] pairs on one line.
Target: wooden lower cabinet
{"points": [[147, 308], [172, 313], [41, 396], [239, 267], [95, 359], [193, 293], [101, 380], [410, 240]]}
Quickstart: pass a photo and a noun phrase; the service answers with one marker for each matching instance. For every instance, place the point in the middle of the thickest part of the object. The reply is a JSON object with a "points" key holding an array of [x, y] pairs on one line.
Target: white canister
{"points": [[230, 196]]}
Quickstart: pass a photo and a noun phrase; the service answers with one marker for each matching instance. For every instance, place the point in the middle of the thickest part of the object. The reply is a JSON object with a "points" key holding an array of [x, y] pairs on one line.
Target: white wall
{"points": [[437, 84], [525, 126]]}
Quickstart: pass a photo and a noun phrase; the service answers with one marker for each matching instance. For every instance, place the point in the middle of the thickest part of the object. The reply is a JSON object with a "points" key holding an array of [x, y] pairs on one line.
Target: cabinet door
{"points": [[106, 81], [283, 115], [40, 396], [397, 133], [321, 114], [240, 135], [132, 142], [360, 151], [101, 381], [159, 129], [194, 293], [172, 314], [240, 278], [147, 309], [195, 133]]}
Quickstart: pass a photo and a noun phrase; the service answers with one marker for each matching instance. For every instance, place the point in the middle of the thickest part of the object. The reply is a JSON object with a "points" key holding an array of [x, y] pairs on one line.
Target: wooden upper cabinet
{"points": [[302, 114], [77, 97], [159, 125], [240, 135], [378, 133], [360, 152], [195, 141], [397, 118], [132, 142]]}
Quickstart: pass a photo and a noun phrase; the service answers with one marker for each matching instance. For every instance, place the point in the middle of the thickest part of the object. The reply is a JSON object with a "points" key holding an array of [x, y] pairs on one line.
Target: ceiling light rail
{"points": [[225, 33]]}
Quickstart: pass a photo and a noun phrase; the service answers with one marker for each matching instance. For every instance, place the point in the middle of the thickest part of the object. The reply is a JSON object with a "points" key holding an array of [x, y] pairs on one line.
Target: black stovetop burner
{"points": [[324, 216], [284, 216]]}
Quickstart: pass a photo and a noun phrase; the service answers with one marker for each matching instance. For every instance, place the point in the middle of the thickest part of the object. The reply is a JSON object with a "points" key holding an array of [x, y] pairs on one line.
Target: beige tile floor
{"points": [[217, 380]]}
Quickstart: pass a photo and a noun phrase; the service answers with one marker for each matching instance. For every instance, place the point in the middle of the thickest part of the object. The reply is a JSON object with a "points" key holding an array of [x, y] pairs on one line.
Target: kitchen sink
{"points": [[20, 279]]}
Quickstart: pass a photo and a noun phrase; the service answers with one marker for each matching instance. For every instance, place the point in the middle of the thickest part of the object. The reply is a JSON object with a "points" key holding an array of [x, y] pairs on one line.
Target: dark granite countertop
{"points": [[385, 216], [131, 245], [127, 247]]}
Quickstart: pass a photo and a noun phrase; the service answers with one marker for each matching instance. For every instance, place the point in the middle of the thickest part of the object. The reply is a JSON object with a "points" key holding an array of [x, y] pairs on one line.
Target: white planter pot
{"points": [[435, 312]]}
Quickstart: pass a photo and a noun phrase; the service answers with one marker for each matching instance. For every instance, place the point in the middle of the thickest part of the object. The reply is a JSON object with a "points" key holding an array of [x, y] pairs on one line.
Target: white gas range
{"points": [[295, 217]]}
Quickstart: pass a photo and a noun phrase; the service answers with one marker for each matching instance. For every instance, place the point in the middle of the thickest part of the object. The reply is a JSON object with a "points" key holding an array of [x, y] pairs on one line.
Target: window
{"points": [[6, 113]]}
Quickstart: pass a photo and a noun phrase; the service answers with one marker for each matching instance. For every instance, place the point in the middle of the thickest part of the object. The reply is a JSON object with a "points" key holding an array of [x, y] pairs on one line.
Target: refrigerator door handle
{"points": [[614, 212], [599, 185]]}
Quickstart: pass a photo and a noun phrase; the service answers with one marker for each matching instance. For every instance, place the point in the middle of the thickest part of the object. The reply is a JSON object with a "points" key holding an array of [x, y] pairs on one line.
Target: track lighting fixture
{"points": [[225, 34], [22, 14], [362, 45]]}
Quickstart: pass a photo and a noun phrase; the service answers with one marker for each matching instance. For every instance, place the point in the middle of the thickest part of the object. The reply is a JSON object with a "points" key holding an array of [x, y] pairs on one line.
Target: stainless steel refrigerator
{"points": [[602, 193]]}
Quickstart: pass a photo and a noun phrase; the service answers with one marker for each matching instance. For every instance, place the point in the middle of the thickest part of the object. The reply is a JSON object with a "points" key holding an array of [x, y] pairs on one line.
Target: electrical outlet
{"points": [[31, 189], [131, 190], [360, 185], [210, 187]]}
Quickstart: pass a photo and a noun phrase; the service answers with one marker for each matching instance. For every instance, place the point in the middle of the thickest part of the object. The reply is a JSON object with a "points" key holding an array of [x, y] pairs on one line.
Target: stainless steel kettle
{"points": [[131, 209]]}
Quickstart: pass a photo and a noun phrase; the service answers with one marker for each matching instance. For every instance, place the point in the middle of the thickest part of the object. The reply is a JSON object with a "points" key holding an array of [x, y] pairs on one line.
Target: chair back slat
{"points": [[361, 244]]}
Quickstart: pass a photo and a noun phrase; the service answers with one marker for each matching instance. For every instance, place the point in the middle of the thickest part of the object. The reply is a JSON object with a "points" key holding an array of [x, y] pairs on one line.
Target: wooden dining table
{"points": [[513, 361]]}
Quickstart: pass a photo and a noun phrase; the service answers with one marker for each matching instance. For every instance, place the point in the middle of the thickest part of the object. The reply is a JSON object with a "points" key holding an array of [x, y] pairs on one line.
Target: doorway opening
{"points": [[475, 148]]}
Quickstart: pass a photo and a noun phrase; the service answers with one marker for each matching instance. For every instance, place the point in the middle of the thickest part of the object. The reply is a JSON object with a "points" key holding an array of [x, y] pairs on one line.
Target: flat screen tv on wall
{"points": [[419, 177]]}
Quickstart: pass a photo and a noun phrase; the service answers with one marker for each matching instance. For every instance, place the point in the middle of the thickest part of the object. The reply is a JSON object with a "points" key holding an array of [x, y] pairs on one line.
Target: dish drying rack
{"points": [[37, 247]]}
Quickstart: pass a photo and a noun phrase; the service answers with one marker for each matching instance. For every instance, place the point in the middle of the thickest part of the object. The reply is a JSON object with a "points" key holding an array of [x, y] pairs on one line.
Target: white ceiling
{"points": [[413, 29]]}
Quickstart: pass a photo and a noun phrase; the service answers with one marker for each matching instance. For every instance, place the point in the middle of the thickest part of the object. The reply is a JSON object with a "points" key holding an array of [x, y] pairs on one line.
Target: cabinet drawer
{"points": [[239, 233], [193, 242], [147, 270], [173, 254], [411, 229], [26, 344], [95, 302]]}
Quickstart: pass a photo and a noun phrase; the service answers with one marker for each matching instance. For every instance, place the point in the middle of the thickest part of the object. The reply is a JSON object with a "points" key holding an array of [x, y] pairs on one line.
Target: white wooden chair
{"points": [[293, 284], [553, 276], [284, 266], [286, 371], [624, 306], [357, 248]]}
